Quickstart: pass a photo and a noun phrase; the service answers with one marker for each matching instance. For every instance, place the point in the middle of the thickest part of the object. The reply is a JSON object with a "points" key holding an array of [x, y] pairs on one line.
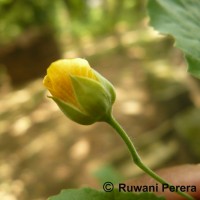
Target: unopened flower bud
{"points": [[80, 92]]}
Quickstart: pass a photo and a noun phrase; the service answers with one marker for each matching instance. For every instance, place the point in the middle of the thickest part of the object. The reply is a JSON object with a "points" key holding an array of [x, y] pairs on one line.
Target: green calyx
{"points": [[94, 97], [73, 113]]}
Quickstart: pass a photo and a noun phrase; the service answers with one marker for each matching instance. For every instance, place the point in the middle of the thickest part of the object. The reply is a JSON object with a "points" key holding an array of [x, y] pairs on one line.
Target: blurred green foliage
{"points": [[17, 16], [107, 172], [75, 17]]}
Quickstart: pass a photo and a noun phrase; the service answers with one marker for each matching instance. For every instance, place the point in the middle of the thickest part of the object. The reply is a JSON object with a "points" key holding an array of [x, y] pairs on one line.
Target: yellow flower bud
{"points": [[81, 93]]}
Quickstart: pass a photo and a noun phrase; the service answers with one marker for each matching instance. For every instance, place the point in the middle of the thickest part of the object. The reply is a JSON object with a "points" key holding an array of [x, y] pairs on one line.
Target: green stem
{"points": [[136, 158]]}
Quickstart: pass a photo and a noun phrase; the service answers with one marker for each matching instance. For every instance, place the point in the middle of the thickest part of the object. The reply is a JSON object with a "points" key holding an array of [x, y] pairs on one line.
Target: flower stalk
{"points": [[136, 158]]}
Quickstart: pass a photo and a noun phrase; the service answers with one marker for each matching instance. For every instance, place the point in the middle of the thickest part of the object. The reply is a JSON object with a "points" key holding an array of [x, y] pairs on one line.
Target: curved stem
{"points": [[136, 158]]}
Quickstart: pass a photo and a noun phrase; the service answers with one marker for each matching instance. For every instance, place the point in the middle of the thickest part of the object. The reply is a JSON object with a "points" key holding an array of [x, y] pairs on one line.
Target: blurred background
{"points": [[41, 151]]}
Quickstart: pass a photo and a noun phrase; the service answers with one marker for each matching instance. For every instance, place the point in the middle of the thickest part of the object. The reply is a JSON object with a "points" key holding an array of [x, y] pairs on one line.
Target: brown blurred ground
{"points": [[42, 152]]}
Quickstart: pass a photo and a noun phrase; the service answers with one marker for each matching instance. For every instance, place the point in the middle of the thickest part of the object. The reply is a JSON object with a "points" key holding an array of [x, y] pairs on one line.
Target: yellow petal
{"points": [[58, 82]]}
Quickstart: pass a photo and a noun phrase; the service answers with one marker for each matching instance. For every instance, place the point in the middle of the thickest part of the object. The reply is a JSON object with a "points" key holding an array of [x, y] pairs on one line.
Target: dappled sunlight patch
{"points": [[165, 70], [11, 190], [6, 170], [21, 126], [80, 149], [152, 33], [12, 100], [165, 80], [32, 148], [121, 94], [131, 108], [20, 96], [42, 114], [27, 97], [123, 38], [7, 195], [70, 54]]}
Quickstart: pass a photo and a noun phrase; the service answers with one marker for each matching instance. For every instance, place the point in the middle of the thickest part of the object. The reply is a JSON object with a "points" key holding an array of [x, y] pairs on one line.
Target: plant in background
{"points": [[87, 97]]}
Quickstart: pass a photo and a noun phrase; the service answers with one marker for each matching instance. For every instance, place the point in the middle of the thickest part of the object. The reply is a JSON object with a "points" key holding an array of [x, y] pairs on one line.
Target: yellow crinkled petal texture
{"points": [[58, 82]]}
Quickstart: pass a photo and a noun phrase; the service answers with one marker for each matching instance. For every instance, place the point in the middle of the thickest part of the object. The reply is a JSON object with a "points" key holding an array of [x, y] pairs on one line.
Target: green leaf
{"points": [[179, 18], [92, 194]]}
